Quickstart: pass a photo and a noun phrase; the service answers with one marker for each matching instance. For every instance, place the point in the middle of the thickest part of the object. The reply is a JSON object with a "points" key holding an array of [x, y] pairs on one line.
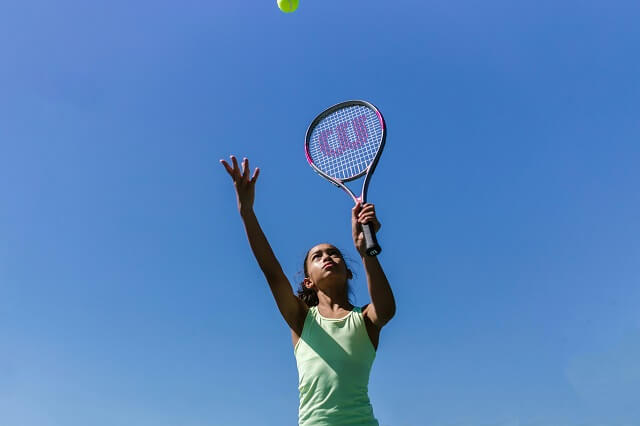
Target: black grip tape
{"points": [[372, 246]]}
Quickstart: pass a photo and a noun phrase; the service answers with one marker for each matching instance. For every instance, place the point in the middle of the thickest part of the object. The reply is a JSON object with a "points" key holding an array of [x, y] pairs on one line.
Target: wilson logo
{"points": [[344, 142]]}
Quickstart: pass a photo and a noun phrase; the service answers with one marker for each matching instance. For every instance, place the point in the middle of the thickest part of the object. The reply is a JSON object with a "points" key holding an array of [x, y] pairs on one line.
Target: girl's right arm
{"points": [[291, 307]]}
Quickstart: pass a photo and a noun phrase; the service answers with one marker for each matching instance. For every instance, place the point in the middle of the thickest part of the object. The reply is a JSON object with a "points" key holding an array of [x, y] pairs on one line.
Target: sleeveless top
{"points": [[334, 358]]}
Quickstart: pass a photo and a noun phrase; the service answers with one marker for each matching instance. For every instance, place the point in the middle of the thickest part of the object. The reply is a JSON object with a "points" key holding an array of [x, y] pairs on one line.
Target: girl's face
{"points": [[326, 267]]}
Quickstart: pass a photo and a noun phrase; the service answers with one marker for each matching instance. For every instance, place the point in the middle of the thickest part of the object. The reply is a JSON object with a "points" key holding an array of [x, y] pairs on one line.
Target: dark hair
{"points": [[308, 295]]}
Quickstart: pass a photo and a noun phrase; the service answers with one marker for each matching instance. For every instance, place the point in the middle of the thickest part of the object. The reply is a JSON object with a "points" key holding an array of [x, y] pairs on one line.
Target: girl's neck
{"points": [[333, 305]]}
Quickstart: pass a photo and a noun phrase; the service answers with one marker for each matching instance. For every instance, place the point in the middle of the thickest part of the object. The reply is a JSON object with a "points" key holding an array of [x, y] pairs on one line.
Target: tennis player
{"points": [[334, 342]]}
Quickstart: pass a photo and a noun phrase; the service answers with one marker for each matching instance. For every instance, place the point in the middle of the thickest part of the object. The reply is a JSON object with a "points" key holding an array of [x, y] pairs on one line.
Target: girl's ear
{"points": [[307, 283]]}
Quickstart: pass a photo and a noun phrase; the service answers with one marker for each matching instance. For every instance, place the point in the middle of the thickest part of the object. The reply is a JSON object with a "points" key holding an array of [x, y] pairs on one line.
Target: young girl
{"points": [[334, 342]]}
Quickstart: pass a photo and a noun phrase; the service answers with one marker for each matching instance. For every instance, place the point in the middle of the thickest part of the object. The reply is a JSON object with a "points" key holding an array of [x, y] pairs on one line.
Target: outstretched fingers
{"points": [[227, 167], [239, 174], [236, 169], [245, 170], [244, 187], [255, 175], [232, 169]]}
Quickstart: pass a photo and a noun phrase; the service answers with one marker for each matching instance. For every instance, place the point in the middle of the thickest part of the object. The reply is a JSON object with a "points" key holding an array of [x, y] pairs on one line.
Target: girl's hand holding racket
{"points": [[361, 214], [245, 186]]}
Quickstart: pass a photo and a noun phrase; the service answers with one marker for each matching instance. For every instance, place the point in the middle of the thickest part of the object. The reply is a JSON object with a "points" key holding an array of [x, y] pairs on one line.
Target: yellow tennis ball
{"points": [[288, 6]]}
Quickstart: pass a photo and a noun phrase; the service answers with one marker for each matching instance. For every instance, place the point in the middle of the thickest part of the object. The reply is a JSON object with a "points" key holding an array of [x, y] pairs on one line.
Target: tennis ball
{"points": [[288, 6]]}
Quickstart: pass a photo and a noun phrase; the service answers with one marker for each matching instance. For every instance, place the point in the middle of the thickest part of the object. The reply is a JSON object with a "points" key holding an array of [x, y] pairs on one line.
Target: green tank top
{"points": [[334, 358]]}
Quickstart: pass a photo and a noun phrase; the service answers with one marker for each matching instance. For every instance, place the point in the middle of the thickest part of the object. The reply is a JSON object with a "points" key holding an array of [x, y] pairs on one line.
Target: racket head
{"points": [[345, 141]]}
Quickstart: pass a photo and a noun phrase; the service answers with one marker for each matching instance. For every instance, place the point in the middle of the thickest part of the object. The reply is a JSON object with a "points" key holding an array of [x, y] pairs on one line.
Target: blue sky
{"points": [[508, 194]]}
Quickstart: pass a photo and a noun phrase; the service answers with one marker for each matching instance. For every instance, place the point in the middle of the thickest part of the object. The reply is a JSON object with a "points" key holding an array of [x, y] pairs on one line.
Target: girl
{"points": [[334, 342]]}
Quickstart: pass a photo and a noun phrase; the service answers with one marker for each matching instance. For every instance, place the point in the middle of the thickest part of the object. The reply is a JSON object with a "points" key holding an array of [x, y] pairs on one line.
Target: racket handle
{"points": [[372, 246]]}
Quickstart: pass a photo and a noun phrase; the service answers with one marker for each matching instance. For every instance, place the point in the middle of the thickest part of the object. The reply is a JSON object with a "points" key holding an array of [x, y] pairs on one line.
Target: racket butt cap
{"points": [[373, 251]]}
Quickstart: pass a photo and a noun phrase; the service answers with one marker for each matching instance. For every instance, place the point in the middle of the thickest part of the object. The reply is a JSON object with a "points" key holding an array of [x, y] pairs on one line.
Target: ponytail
{"points": [[308, 295]]}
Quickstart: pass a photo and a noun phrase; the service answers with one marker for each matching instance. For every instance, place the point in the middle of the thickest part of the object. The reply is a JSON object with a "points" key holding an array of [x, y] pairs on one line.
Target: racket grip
{"points": [[372, 246]]}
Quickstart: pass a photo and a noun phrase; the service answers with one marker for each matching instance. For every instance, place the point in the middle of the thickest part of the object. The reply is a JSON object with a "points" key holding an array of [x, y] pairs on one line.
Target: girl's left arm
{"points": [[383, 304]]}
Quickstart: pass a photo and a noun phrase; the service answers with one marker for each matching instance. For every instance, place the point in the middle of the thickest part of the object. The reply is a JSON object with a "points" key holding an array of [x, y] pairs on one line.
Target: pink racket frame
{"points": [[368, 171]]}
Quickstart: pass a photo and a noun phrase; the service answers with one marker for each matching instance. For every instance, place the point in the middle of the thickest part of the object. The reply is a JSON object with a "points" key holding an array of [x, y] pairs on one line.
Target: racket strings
{"points": [[344, 143]]}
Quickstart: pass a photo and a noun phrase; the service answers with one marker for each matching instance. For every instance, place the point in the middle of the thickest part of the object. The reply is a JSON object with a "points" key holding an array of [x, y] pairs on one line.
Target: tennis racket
{"points": [[344, 143]]}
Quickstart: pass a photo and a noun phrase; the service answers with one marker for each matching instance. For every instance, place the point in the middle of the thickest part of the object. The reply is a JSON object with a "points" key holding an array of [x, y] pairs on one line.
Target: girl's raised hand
{"points": [[362, 213], [245, 186]]}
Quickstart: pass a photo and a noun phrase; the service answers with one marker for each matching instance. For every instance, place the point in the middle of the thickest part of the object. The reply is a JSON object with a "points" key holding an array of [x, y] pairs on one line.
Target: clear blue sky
{"points": [[508, 195]]}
